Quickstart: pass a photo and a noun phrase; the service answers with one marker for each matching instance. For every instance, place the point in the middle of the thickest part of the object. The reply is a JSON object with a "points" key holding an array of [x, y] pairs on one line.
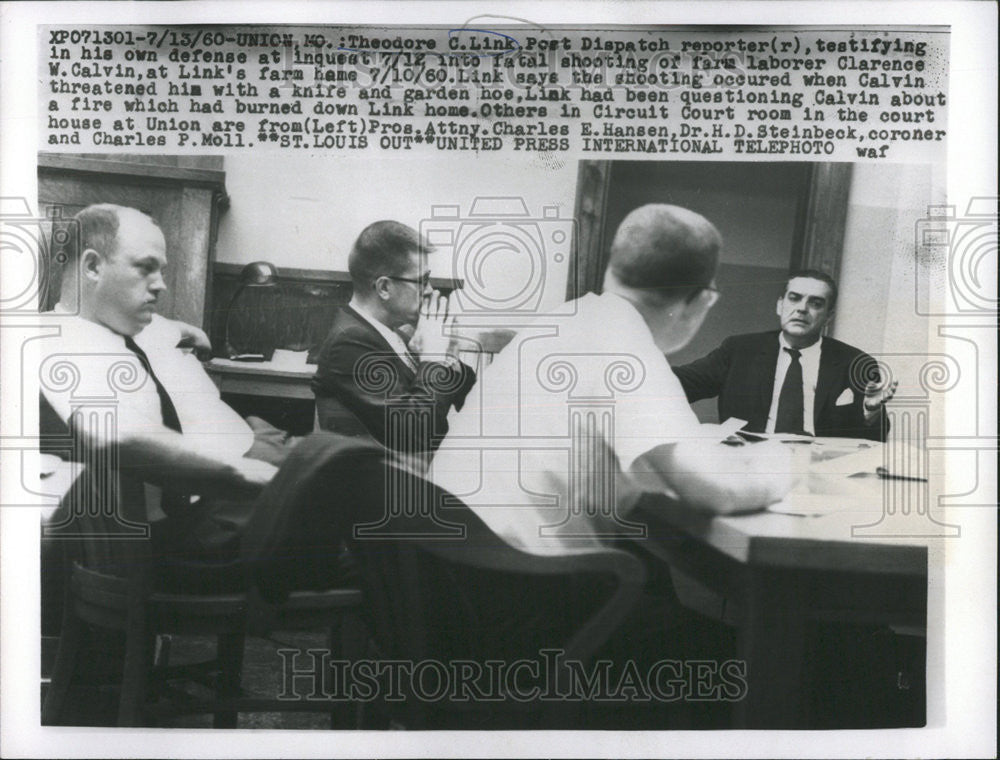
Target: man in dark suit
{"points": [[369, 381], [795, 380]]}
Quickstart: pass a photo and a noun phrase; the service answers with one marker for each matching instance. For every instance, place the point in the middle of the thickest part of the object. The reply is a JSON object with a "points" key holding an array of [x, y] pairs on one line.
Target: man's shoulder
{"points": [[839, 349], [76, 335], [161, 334], [747, 341], [348, 325], [348, 337]]}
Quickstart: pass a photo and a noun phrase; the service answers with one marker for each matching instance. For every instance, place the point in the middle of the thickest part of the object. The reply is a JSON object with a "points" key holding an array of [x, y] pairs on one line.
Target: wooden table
{"points": [[262, 378], [784, 571], [293, 382]]}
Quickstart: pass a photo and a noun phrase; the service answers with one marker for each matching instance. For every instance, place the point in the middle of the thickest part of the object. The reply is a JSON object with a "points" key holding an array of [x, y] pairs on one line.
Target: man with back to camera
{"points": [[547, 485], [658, 287], [365, 366], [795, 380]]}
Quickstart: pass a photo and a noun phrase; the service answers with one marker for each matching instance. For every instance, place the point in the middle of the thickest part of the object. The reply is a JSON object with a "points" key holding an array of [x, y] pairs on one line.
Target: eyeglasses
{"points": [[423, 281]]}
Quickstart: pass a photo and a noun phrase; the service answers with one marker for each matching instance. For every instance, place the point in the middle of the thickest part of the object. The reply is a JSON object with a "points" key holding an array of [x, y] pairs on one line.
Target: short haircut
{"points": [[97, 228], [665, 249], [814, 274], [383, 248]]}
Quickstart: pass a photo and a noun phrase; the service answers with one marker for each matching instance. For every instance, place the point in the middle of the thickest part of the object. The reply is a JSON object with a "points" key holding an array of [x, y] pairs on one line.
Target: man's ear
{"points": [[91, 264], [381, 286], [777, 305], [696, 308]]}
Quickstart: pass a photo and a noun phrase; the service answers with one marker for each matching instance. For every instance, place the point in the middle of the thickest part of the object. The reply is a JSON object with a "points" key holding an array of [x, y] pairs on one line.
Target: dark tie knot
{"points": [[794, 353]]}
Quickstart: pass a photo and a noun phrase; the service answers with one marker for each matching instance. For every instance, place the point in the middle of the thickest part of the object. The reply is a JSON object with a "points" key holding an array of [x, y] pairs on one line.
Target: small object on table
{"points": [[48, 464], [884, 474]]}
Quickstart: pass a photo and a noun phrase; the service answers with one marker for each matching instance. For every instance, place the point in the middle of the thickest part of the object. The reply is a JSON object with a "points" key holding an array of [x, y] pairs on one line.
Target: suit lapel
{"points": [[830, 361], [765, 361]]}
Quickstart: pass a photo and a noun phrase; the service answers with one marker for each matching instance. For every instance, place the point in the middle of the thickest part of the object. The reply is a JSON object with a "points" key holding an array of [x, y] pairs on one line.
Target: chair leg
{"points": [[135, 676], [65, 667], [335, 646], [230, 654], [346, 641], [354, 647]]}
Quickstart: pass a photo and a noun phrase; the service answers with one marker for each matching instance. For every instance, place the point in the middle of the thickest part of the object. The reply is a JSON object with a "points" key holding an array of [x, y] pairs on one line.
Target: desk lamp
{"points": [[256, 274]]}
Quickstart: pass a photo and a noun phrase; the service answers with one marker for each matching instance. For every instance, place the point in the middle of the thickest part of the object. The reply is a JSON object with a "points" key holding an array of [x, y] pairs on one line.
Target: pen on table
{"points": [[883, 473]]}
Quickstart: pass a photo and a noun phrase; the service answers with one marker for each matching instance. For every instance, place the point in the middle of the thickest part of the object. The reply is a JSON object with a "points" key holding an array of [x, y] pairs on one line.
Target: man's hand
{"points": [[720, 479], [877, 397], [433, 335], [195, 338]]}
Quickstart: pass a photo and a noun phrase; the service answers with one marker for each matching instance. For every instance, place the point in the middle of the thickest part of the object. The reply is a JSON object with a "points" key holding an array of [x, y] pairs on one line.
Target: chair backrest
{"points": [[464, 588], [103, 560], [438, 582], [98, 528]]}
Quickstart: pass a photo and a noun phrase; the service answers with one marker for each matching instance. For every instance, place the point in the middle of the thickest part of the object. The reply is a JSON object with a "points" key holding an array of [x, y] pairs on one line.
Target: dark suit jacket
{"points": [[360, 378], [741, 373]]}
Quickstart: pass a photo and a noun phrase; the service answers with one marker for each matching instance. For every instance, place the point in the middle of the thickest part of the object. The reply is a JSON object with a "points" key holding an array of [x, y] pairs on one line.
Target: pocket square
{"points": [[845, 398]]}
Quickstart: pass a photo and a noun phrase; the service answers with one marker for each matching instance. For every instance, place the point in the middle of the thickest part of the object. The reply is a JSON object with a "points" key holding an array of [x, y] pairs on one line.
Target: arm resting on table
{"points": [[715, 478]]}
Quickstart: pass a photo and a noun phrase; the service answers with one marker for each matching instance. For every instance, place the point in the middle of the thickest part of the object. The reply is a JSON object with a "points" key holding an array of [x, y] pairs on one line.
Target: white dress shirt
{"points": [[510, 453], [87, 367], [809, 360]]}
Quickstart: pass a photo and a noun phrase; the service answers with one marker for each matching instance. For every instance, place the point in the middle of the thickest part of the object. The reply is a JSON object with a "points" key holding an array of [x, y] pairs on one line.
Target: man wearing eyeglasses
{"points": [[370, 381], [795, 380]]}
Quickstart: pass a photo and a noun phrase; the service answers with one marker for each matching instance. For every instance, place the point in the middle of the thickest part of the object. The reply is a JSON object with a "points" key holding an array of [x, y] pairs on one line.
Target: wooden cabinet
{"points": [[185, 195]]}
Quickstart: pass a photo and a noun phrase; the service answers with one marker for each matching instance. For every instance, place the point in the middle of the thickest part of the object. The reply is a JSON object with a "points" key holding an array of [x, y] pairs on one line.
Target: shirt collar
{"points": [[81, 323], [624, 307], [391, 337], [811, 351], [626, 316]]}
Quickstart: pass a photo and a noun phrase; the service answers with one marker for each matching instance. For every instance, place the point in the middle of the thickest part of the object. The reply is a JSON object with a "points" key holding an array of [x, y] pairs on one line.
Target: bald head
{"points": [[96, 227], [120, 257], [664, 248]]}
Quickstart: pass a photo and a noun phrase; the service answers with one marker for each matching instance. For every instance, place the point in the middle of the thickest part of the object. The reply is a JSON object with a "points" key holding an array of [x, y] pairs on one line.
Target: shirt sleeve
{"points": [[655, 413]]}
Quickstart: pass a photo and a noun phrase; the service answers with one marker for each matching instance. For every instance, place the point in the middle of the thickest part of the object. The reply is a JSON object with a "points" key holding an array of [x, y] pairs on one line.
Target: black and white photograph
{"points": [[397, 384]]}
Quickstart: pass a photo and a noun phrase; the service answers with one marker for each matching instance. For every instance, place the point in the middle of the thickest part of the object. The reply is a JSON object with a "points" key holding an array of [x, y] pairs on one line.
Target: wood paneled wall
{"points": [[185, 196], [295, 314]]}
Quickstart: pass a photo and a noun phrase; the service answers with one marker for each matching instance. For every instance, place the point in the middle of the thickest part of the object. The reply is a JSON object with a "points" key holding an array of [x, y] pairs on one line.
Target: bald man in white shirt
{"points": [[188, 464]]}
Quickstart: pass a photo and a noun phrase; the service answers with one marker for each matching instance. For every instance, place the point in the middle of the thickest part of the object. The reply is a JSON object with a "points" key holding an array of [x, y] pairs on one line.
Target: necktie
{"points": [[173, 504], [412, 360], [167, 408], [790, 404]]}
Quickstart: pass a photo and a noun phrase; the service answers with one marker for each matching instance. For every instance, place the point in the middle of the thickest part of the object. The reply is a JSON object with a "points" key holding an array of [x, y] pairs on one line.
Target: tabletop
{"points": [[834, 520]]}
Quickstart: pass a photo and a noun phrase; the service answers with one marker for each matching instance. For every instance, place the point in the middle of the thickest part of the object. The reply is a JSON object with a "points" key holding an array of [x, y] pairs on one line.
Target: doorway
{"points": [[774, 217]]}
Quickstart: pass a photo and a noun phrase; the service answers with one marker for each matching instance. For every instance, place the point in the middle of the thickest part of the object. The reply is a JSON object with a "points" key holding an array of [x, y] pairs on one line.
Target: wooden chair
{"points": [[111, 586], [416, 584]]}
